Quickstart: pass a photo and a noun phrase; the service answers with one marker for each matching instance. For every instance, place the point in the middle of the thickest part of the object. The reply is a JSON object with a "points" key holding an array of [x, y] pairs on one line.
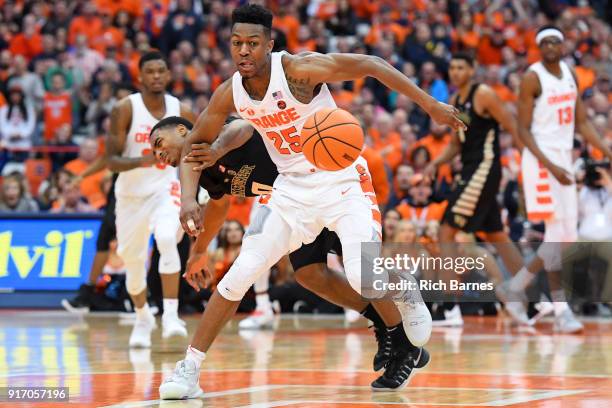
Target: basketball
{"points": [[332, 139]]}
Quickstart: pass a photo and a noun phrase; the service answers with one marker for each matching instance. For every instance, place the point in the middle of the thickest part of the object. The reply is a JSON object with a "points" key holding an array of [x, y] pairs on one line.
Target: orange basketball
{"points": [[332, 139]]}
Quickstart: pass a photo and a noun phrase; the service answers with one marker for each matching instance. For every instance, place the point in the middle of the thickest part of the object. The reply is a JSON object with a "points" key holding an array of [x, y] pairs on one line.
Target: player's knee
{"points": [[135, 277], [169, 259], [352, 266], [243, 273]]}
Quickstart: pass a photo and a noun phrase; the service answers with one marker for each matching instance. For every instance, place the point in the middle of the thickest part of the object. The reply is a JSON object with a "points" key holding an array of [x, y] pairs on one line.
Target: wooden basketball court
{"points": [[308, 361]]}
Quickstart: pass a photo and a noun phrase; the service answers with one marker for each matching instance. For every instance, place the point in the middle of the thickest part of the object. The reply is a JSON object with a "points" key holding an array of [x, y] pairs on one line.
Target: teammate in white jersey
{"points": [[148, 197], [550, 111], [276, 93]]}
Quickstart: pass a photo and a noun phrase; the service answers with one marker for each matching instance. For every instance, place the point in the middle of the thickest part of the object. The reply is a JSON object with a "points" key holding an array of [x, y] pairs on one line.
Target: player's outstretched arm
{"points": [[215, 213], [309, 69], [233, 135], [207, 127], [529, 90], [120, 120], [491, 103]]}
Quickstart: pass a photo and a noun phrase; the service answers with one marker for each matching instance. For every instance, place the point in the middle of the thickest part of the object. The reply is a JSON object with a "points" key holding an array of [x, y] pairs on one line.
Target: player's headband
{"points": [[549, 32]]}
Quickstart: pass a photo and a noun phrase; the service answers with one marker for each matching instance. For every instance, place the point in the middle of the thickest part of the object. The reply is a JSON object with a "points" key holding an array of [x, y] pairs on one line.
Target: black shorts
{"points": [[486, 214], [107, 231], [316, 251]]}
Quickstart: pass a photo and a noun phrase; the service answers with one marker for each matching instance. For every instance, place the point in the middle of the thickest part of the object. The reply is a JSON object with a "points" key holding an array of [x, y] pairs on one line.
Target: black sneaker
{"points": [[399, 370], [384, 352], [81, 302]]}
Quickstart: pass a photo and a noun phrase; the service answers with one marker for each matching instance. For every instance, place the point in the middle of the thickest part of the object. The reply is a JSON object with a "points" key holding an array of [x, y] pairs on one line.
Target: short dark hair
{"points": [[171, 121], [253, 14], [464, 56], [151, 56]]}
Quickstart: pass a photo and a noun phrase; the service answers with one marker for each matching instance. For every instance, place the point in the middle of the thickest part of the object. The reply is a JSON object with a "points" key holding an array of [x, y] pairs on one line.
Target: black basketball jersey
{"points": [[482, 137], [246, 171]]}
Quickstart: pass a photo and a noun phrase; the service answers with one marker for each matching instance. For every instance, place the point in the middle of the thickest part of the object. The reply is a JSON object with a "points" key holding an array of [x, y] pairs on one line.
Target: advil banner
{"points": [[46, 254]]}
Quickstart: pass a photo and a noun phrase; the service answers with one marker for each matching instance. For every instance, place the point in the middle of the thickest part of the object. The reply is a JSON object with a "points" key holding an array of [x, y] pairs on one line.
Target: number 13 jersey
{"points": [[279, 117], [553, 119]]}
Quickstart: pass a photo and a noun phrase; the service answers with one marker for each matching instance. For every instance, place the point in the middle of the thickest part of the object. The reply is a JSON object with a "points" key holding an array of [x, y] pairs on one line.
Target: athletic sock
{"points": [[144, 313], [195, 355], [371, 314], [263, 301], [521, 280], [399, 340], [170, 307], [559, 301]]}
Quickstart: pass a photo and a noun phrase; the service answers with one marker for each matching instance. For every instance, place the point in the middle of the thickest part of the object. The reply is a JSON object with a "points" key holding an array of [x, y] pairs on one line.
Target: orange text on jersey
{"points": [[552, 100], [276, 119]]}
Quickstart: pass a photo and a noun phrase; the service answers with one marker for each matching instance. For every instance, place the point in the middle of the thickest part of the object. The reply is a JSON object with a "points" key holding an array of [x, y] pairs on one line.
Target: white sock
{"points": [[170, 307], [521, 280], [144, 313], [196, 356], [559, 301], [263, 302]]}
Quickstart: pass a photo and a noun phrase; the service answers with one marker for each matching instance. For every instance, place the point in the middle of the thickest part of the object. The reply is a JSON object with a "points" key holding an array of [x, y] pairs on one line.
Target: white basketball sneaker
{"points": [[514, 302], [184, 382], [415, 315], [173, 326], [567, 323], [141, 333], [259, 319]]}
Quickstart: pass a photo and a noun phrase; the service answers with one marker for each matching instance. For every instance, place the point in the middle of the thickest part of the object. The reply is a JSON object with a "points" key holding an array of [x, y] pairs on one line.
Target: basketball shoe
{"points": [[567, 323], [173, 326], [384, 353], [415, 315], [141, 333], [447, 318], [514, 302], [259, 319], [184, 382], [400, 369], [81, 303]]}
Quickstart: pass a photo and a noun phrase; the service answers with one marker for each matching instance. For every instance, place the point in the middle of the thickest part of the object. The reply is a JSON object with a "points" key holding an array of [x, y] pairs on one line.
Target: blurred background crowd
{"points": [[64, 64]]}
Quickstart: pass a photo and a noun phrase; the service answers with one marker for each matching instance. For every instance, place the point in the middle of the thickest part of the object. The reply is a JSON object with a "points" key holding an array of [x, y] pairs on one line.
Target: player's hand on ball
{"points": [[191, 218], [446, 114], [561, 175], [196, 274], [203, 154]]}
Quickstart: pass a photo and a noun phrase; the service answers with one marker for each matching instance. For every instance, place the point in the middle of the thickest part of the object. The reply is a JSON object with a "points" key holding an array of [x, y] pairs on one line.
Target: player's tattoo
{"points": [[300, 88]]}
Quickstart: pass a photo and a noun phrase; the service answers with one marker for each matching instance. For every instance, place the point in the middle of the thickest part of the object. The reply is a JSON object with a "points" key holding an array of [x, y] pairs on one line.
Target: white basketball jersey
{"points": [[553, 119], [279, 117], [145, 181]]}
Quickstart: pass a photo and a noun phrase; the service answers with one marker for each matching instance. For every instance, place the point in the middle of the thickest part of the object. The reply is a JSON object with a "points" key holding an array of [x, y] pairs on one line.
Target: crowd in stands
{"points": [[64, 64]]}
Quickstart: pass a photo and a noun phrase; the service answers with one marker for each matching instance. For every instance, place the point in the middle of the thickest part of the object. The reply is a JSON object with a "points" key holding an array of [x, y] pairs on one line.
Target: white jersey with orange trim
{"points": [[553, 118], [279, 117], [145, 181]]}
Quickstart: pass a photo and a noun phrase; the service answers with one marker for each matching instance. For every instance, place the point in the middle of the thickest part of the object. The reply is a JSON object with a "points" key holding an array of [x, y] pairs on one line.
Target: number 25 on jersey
{"points": [[287, 136]]}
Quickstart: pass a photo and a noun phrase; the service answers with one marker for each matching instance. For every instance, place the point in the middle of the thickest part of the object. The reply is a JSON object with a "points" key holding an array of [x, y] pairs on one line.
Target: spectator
{"points": [[418, 207], [101, 107], [392, 217], [182, 25], [17, 122], [70, 200], [595, 206], [401, 184], [491, 45], [91, 186], [418, 47], [87, 59], [30, 83], [27, 42], [87, 24], [386, 141], [344, 21], [63, 148], [429, 81], [240, 209], [14, 196], [230, 242], [435, 143], [57, 107]]}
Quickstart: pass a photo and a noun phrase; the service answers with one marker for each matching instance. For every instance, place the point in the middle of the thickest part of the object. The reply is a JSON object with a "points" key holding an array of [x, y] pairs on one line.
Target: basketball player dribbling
{"points": [[550, 111], [147, 197], [305, 199], [247, 170]]}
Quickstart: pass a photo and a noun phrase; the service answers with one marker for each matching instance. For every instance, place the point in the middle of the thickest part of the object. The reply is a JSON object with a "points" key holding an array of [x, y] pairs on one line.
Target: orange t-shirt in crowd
{"points": [[430, 212], [435, 147], [306, 46], [586, 78], [365, 9], [2, 100], [28, 47], [289, 25], [394, 157], [240, 209], [488, 54], [57, 111], [504, 93], [380, 182], [375, 34], [133, 7], [89, 27], [91, 187], [343, 98], [108, 37]]}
